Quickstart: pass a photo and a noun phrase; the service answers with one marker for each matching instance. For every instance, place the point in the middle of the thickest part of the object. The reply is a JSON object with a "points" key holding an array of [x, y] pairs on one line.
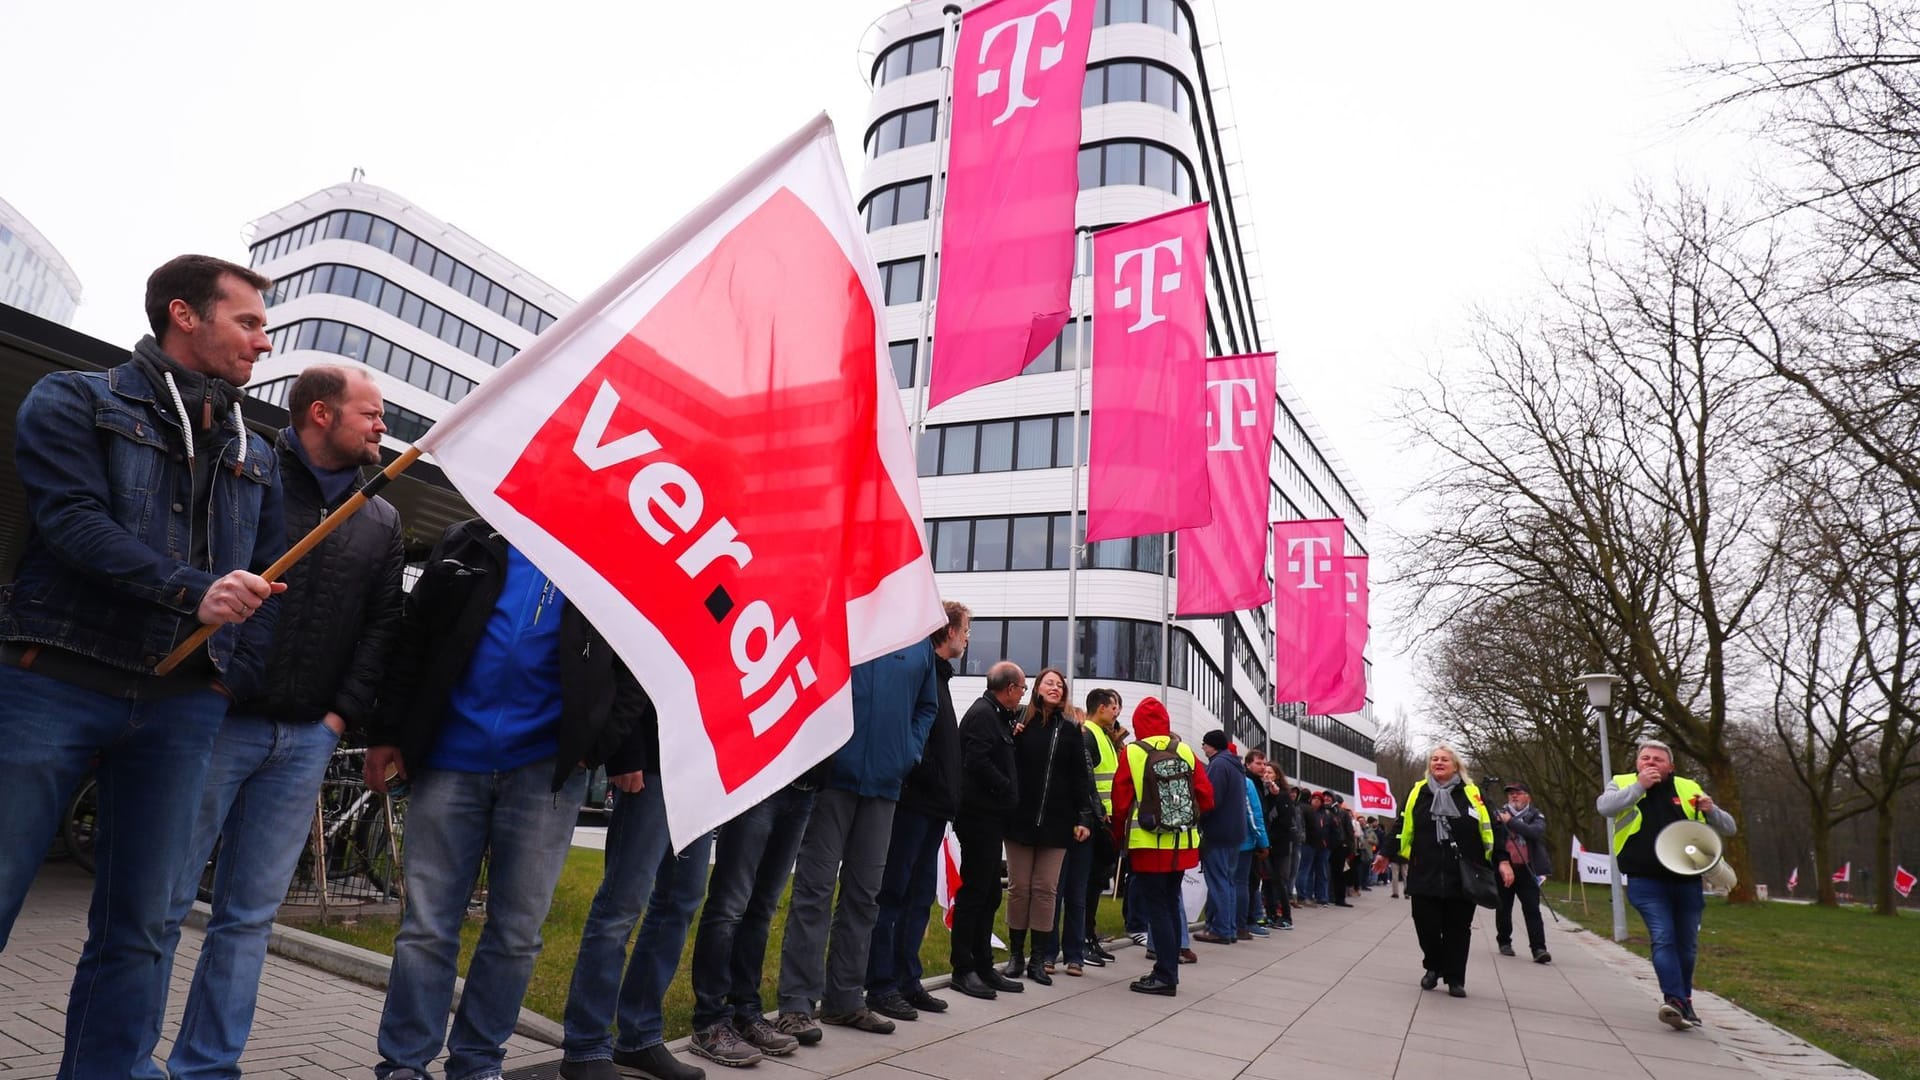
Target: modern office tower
{"points": [[995, 462], [33, 276], [362, 274]]}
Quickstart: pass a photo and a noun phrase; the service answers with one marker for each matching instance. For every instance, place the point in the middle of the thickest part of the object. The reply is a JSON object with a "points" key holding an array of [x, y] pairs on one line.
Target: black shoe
{"points": [[1016, 964], [597, 1069], [925, 1002], [1673, 1015], [1430, 980], [1542, 956], [1342, 903], [1151, 985], [1506, 950], [1091, 960], [892, 1005], [860, 1020], [770, 1040], [658, 1063], [1096, 950], [974, 986], [1693, 1018], [1456, 989], [1001, 982], [1038, 972]]}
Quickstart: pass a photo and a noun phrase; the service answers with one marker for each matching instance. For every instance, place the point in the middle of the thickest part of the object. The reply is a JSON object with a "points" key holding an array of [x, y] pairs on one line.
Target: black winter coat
{"points": [[1430, 868], [933, 787], [341, 613], [605, 716], [989, 778], [1056, 787]]}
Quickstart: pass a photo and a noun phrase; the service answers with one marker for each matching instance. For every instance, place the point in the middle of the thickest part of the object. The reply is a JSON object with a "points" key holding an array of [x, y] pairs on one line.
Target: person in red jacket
{"points": [[1158, 857]]}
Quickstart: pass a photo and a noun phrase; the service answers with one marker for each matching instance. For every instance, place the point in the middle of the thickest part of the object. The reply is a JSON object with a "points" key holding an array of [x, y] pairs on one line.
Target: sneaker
{"points": [[597, 1069], [770, 1040], [657, 1063], [1139, 939], [1286, 924], [1506, 950], [862, 1019], [892, 1005], [1098, 952], [1672, 1015], [1260, 931], [1693, 1018], [722, 1045], [800, 1026]]}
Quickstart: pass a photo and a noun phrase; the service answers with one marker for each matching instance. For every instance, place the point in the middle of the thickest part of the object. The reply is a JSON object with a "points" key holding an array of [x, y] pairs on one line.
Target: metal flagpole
{"points": [[1166, 617], [1080, 357], [936, 214]]}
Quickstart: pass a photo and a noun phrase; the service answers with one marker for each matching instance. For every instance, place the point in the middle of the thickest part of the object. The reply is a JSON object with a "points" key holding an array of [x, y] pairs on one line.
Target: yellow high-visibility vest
{"points": [[1139, 839], [1628, 821], [1473, 799], [1106, 763]]}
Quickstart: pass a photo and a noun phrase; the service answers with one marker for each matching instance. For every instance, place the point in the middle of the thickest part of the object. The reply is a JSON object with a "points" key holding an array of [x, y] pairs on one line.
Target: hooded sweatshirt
{"points": [[1150, 722]]}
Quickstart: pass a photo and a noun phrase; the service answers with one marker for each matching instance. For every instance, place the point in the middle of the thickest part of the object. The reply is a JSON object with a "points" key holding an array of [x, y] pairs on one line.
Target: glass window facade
{"points": [[1109, 649], [899, 204], [908, 127], [407, 306], [356, 343], [909, 57], [1035, 442], [1135, 80], [1129, 161], [364, 228], [1030, 542], [1165, 14], [900, 281]]}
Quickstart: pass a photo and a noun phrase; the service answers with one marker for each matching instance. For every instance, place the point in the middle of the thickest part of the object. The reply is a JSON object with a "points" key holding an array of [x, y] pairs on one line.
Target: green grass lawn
{"points": [[1842, 979], [548, 993]]}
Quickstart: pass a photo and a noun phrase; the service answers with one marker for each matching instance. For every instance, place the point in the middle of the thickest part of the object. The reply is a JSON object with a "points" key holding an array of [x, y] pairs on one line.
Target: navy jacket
{"points": [[895, 698], [1226, 825]]}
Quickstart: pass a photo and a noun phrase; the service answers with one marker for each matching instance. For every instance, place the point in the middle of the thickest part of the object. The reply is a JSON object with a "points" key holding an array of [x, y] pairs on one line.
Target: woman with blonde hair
{"points": [[1055, 808], [1446, 822]]}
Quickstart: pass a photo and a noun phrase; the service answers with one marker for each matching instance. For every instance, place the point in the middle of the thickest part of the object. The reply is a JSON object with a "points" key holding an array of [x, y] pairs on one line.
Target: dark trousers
{"points": [[1445, 927], [981, 839], [906, 897], [1337, 874], [1278, 906], [1070, 914], [752, 863], [1157, 896], [1099, 877], [1528, 890]]}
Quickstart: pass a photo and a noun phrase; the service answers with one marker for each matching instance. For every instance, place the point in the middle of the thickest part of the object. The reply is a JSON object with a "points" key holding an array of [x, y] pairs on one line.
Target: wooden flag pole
{"points": [[300, 550]]}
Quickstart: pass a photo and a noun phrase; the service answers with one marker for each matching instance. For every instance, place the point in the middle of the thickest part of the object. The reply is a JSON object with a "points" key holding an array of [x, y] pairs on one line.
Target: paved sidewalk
{"points": [[310, 1024], [1337, 998]]}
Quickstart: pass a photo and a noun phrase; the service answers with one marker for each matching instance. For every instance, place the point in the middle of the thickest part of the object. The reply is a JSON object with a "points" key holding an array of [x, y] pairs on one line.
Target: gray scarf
{"points": [[1442, 806]]}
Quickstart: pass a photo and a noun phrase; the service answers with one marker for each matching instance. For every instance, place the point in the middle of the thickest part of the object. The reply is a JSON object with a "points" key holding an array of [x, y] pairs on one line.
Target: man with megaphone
{"points": [[1664, 879]]}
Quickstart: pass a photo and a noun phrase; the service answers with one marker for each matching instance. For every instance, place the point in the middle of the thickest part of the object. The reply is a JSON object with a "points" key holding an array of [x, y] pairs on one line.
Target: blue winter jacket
{"points": [[1225, 825], [1256, 820], [895, 698]]}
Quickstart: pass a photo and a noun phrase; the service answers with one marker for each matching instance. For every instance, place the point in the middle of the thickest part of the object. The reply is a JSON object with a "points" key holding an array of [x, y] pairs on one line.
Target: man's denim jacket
{"points": [[106, 571]]}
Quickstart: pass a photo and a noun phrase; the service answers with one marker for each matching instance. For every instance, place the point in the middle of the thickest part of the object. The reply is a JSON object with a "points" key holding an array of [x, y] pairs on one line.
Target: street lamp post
{"points": [[1600, 695]]}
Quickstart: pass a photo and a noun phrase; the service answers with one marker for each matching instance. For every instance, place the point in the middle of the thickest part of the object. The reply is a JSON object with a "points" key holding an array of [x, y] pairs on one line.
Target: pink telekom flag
{"points": [[1351, 694], [1309, 608], [702, 457], [1006, 233], [1223, 566], [1147, 458]]}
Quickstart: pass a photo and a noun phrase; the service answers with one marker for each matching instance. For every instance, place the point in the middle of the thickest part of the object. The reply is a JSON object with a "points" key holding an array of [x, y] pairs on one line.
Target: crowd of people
{"points": [[486, 698]]}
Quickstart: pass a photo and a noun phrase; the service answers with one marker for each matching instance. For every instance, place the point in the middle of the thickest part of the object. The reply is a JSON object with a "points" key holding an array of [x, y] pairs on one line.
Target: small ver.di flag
{"points": [[701, 458]]}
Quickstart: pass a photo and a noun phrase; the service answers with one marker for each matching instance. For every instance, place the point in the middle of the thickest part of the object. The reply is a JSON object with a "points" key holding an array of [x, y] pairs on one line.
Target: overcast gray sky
{"points": [[1406, 160]]}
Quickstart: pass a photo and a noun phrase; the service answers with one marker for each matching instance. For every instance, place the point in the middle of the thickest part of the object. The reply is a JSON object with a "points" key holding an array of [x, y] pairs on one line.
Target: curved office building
{"points": [[995, 462], [361, 274], [33, 276]]}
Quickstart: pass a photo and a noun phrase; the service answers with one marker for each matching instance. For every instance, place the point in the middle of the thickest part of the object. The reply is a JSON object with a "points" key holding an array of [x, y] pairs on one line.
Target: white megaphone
{"points": [[1694, 849]]}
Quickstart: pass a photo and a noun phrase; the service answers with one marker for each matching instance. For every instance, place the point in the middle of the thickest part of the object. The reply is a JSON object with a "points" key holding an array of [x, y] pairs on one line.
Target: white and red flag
{"points": [[1793, 879], [1309, 608], [1373, 795], [1351, 694], [1845, 873], [1006, 230], [1147, 455], [1903, 880], [701, 457], [1223, 565]]}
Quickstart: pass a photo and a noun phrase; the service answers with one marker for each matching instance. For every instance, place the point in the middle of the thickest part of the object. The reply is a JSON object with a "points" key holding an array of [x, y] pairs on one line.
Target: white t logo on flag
{"points": [[1167, 282], [1016, 72], [1353, 586], [1230, 420], [1311, 565]]}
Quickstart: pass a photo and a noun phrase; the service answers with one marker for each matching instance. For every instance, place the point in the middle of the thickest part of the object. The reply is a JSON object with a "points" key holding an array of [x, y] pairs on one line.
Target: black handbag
{"points": [[1476, 881]]}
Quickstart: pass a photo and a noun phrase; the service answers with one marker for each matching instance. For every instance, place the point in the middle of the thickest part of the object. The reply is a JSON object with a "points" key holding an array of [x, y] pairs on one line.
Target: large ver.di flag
{"points": [[1147, 457], [1309, 608], [701, 458], [1006, 234], [1223, 565]]}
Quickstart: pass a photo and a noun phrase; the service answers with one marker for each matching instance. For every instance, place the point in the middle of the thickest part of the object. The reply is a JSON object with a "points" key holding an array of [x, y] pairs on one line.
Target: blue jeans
{"points": [[1671, 909], [906, 899], [1070, 914], [1218, 862], [524, 829], [1157, 896], [752, 861], [152, 763], [259, 804], [1322, 873], [643, 876], [1243, 891]]}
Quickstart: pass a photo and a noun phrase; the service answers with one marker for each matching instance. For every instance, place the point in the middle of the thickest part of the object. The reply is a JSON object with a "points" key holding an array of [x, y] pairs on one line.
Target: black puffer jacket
{"points": [[341, 612], [1055, 785], [605, 717]]}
